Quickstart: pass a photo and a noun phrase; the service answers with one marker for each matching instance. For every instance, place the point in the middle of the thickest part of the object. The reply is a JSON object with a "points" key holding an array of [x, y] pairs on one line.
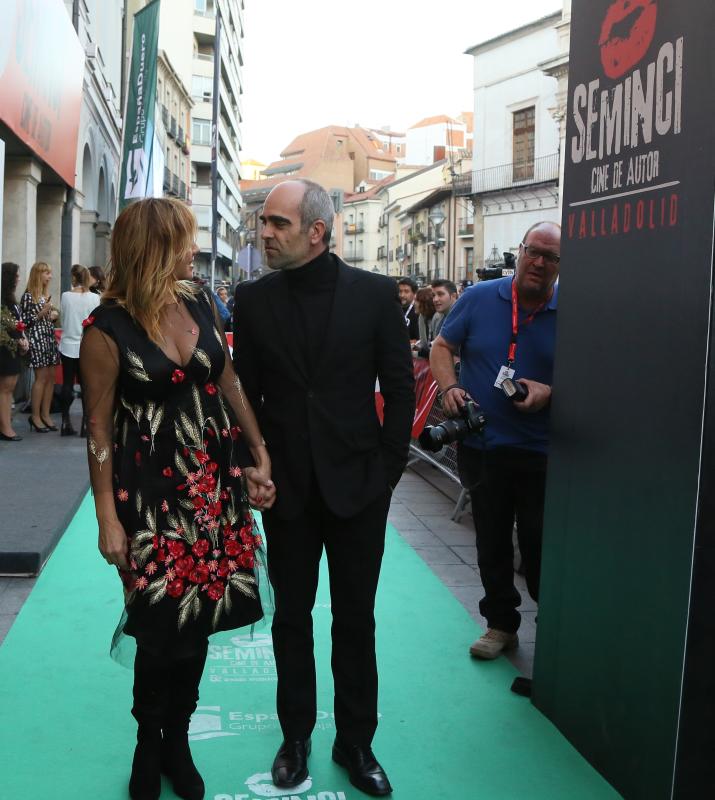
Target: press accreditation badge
{"points": [[504, 373]]}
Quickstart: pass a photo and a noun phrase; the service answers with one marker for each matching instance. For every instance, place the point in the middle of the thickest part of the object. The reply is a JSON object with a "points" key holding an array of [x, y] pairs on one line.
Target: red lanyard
{"points": [[511, 358]]}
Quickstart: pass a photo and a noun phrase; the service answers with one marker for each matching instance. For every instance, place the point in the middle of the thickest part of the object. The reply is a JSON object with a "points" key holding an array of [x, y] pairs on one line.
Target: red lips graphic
{"points": [[626, 34]]}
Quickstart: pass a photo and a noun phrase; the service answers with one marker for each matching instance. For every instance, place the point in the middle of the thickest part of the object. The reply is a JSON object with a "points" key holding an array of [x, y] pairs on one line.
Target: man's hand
{"points": [[261, 489], [539, 397], [453, 401]]}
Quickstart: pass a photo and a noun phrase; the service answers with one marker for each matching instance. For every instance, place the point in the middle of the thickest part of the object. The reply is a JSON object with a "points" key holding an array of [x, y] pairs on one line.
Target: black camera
{"points": [[471, 420], [515, 390], [499, 270]]}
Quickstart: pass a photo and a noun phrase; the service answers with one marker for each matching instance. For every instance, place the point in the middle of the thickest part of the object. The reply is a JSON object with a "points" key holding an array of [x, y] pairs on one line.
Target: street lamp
{"points": [[436, 217]]}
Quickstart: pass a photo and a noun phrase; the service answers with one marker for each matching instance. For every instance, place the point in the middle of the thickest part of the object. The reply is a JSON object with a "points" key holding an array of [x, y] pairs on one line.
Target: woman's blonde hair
{"points": [[80, 277], [149, 239], [35, 284]]}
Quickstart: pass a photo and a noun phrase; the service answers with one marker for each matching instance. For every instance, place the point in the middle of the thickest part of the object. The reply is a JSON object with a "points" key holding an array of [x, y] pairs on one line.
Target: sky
{"points": [[320, 62]]}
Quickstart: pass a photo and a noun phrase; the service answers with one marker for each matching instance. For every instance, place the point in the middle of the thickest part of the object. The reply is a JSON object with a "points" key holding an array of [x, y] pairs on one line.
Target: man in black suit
{"points": [[310, 340]]}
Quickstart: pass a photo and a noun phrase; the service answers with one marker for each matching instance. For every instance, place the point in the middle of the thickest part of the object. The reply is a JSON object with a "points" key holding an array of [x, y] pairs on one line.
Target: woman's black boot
{"points": [[176, 761], [145, 780]]}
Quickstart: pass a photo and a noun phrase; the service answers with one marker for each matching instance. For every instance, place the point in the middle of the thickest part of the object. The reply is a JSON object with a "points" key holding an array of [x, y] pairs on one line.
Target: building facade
{"points": [[516, 152], [173, 126], [60, 122]]}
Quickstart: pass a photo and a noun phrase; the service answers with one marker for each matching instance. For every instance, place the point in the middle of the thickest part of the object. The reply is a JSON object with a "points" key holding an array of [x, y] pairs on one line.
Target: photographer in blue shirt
{"points": [[504, 332]]}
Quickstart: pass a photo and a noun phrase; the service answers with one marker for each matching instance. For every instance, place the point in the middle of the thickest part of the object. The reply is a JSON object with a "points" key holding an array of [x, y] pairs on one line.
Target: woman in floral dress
{"points": [[166, 421]]}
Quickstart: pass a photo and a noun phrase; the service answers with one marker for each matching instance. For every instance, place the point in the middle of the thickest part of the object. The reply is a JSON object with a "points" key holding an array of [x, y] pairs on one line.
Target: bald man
{"points": [[504, 332]]}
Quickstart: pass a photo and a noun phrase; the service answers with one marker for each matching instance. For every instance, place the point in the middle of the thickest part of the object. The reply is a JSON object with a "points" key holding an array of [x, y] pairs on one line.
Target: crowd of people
{"points": [[28, 341]]}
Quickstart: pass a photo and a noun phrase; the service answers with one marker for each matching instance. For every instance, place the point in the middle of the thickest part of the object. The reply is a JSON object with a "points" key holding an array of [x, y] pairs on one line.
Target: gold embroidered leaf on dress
{"points": [[141, 556], [157, 589], [140, 537], [139, 375], [134, 360], [197, 406], [224, 414], [202, 358], [218, 337], [180, 464], [227, 599], [191, 430], [150, 409], [138, 500], [196, 607], [217, 613], [243, 583], [154, 426], [190, 533], [150, 521]]}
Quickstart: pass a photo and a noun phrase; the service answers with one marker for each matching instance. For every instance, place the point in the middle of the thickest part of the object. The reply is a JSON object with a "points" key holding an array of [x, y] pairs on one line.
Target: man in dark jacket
{"points": [[310, 340]]}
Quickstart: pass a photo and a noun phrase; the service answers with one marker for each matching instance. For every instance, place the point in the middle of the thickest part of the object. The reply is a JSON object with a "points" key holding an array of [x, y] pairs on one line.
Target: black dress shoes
{"points": [[363, 769], [290, 766]]}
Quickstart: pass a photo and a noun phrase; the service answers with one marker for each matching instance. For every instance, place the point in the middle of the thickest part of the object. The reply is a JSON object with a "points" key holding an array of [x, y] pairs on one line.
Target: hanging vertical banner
{"points": [[214, 146], [138, 140]]}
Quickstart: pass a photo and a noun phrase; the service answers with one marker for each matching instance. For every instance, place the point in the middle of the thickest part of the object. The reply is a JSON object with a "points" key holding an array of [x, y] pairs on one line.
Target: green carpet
{"points": [[449, 726]]}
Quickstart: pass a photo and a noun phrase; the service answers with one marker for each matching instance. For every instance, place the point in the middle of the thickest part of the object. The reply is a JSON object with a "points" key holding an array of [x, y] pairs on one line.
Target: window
{"points": [[202, 87], [201, 131], [378, 174], [524, 126], [200, 6]]}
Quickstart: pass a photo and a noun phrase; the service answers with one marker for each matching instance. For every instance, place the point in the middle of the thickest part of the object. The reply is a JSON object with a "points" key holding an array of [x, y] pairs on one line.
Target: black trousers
{"points": [[354, 549], [70, 376], [505, 484]]}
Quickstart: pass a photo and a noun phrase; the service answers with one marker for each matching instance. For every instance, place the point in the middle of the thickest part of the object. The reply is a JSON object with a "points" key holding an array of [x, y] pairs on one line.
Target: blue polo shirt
{"points": [[479, 324]]}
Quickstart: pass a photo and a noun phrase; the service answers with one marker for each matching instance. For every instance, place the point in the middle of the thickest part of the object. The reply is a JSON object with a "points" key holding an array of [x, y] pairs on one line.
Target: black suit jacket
{"points": [[328, 423]]}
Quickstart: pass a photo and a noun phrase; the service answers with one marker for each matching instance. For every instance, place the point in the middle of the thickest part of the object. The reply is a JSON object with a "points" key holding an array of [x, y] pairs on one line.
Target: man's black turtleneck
{"points": [[313, 289]]}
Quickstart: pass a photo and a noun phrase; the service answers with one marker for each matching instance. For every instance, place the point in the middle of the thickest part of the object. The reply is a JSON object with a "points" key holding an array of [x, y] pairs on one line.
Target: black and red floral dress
{"points": [[176, 478]]}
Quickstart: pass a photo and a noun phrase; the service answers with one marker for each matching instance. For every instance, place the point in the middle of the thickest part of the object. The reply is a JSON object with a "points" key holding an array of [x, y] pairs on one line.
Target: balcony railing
{"points": [[171, 130], [352, 228], [516, 175], [351, 258], [175, 184], [466, 226], [167, 179], [381, 252], [182, 189], [180, 138], [165, 116]]}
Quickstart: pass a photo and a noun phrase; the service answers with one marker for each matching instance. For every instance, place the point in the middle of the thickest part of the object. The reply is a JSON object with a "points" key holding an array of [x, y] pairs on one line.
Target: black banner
{"points": [[625, 474]]}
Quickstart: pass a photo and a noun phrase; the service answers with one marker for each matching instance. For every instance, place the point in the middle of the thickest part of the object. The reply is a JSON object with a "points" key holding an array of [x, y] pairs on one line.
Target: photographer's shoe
{"points": [[493, 643]]}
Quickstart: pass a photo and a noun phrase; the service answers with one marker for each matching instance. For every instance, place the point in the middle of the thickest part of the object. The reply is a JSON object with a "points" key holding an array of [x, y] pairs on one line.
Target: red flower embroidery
{"points": [[164, 506], [200, 574], [211, 432], [177, 376], [234, 432], [215, 591], [161, 555], [199, 503], [138, 458], [175, 588], [200, 548], [151, 568], [235, 472], [177, 549], [141, 583], [201, 457], [224, 433], [122, 495], [167, 472], [214, 509], [232, 548], [224, 495], [184, 566], [224, 567], [246, 559], [211, 467], [87, 322], [210, 388]]}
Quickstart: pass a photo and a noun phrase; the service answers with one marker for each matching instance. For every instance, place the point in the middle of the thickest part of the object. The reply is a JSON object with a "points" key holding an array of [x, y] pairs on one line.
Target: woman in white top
{"points": [[76, 306]]}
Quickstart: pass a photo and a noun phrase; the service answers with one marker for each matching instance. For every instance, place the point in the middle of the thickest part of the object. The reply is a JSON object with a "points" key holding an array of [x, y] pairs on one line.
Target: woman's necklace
{"points": [[193, 330]]}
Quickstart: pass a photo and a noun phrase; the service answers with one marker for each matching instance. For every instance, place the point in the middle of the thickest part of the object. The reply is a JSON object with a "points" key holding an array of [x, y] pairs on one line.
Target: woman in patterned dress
{"points": [[39, 316], [166, 417], [13, 344]]}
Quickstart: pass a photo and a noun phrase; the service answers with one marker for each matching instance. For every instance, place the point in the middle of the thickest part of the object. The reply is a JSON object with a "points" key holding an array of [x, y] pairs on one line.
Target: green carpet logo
{"points": [[248, 658], [207, 723], [262, 786]]}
